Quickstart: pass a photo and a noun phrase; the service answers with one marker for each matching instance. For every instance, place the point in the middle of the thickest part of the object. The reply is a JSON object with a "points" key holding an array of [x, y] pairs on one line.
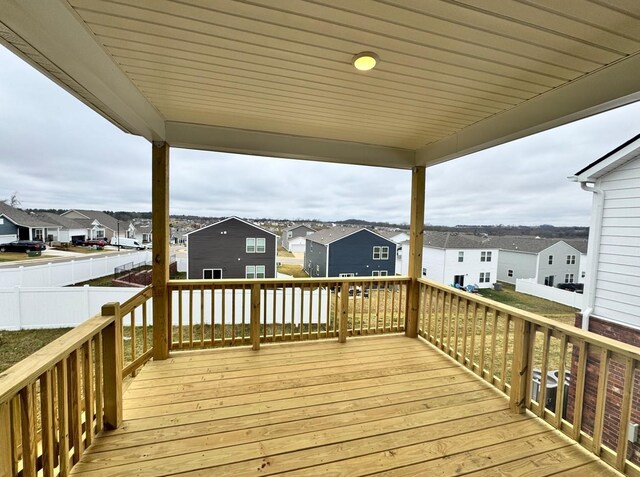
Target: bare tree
{"points": [[13, 201]]}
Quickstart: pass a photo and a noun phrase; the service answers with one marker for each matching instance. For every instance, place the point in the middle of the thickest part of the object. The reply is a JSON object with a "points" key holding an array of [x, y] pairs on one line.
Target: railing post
{"points": [[5, 430], [112, 367], [416, 235], [520, 380], [255, 316], [344, 312]]}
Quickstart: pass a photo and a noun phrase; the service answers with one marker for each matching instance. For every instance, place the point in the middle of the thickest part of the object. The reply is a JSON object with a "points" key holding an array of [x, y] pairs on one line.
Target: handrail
{"points": [[32, 367], [618, 347], [288, 281], [136, 300]]}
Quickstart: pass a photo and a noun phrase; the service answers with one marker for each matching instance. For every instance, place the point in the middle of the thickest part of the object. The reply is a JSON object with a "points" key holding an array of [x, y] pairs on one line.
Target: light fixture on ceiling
{"points": [[365, 61]]}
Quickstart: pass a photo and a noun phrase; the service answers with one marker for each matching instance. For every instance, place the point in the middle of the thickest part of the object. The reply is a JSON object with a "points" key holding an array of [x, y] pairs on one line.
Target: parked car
{"points": [[573, 287], [127, 243], [95, 242], [23, 246]]}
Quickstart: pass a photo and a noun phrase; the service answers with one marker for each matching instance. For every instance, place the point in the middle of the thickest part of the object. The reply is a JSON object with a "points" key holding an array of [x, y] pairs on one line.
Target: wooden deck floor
{"points": [[385, 405]]}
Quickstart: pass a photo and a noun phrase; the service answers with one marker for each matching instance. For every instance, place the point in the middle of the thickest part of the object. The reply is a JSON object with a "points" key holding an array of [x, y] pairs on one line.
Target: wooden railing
{"points": [[136, 332], [56, 400], [210, 313], [593, 401]]}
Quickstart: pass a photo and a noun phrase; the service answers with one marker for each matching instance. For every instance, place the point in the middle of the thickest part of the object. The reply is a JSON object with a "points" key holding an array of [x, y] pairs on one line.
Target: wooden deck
{"points": [[379, 405]]}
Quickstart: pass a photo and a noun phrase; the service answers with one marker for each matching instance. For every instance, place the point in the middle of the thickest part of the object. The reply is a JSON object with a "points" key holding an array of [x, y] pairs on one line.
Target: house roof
{"points": [[231, 218], [333, 234], [621, 154], [105, 219], [297, 226], [456, 240], [276, 78], [536, 245], [24, 219], [63, 221]]}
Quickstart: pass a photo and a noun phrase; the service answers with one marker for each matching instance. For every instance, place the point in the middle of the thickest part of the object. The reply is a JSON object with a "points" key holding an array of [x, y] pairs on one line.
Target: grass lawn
{"points": [[294, 270], [283, 252], [78, 249], [14, 256], [17, 345]]}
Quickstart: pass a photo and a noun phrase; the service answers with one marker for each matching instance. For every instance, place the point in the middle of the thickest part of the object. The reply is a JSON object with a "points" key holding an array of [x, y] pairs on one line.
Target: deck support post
{"points": [[520, 373], [416, 236], [112, 367], [160, 231], [254, 327], [344, 312]]}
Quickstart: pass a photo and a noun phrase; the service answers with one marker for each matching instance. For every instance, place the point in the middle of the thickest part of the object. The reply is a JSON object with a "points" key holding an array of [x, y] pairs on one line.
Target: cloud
{"points": [[57, 153]]}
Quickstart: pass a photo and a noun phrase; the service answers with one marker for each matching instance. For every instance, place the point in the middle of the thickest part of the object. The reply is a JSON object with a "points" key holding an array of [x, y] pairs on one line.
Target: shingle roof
{"points": [[105, 219], [24, 219], [457, 240], [536, 245], [295, 226], [327, 236], [64, 222]]}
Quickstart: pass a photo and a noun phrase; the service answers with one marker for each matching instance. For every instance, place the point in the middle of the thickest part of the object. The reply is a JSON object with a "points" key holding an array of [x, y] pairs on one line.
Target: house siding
{"points": [[8, 231], [223, 245], [300, 231], [315, 259], [618, 269], [523, 265], [559, 268], [354, 254]]}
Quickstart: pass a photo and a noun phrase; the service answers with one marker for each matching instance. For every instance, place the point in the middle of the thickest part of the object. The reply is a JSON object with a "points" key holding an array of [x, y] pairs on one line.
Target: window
{"points": [[509, 273], [100, 233], [1, 221], [289, 234], [317, 268], [424, 272], [571, 259], [548, 281], [256, 245], [37, 234], [254, 271], [550, 259], [485, 277], [583, 274], [379, 273], [485, 256], [345, 275], [568, 278], [380, 253], [212, 273], [460, 256]]}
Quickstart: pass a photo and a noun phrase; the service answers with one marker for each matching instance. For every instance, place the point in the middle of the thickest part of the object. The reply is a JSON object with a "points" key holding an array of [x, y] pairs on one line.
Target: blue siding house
{"points": [[349, 251]]}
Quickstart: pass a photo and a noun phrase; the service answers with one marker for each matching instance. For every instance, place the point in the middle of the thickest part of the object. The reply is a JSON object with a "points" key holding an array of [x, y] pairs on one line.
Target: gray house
{"points": [[294, 237], [548, 261], [231, 248], [100, 225], [16, 224], [349, 252]]}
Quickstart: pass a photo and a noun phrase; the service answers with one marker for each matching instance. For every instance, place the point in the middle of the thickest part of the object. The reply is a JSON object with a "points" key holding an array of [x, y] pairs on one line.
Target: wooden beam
{"points": [[416, 236], [112, 367], [520, 372], [254, 326], [160, 232]]}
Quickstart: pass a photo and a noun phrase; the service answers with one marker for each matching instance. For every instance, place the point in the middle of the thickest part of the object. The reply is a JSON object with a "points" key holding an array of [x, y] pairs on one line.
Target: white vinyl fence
{"points": [[61, 307], [59, 274], [530, 287]]}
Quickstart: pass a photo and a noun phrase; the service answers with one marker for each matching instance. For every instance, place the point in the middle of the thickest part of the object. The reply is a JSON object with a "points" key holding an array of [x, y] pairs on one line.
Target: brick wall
{"points": [[614, 386]]}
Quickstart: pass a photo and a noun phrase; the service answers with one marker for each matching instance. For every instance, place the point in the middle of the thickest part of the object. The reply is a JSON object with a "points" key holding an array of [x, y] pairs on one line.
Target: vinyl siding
{"points": [[618, 280], [315, 259], [559, 268], [8, 228], [223, 245], [354, 254], [523, 265]]}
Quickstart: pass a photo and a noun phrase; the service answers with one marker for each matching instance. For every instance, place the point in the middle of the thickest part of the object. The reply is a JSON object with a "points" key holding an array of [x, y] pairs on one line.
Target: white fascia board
{"points": [[607, 88], [51, 37], [630, 151], [257, 143], [235, 218]]}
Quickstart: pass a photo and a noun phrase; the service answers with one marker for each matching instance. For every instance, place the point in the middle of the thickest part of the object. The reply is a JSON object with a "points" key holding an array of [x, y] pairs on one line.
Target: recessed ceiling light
{"points": [[365, 61]]}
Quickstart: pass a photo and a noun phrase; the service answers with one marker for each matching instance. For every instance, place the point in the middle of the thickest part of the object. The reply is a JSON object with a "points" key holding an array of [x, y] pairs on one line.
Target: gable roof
{"points": [[231, 218], [105, 219], [333, 234], [536, 245], [621, 154], [61, 220], [296, 226], [436, 239], [24, 219]]}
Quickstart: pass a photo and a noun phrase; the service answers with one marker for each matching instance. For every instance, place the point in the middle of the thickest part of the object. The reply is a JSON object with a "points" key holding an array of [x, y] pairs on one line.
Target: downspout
{"points": [[593, 252]]}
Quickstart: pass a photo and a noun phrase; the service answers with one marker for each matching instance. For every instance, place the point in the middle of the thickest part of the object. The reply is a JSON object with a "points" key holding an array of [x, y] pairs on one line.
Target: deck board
{"points": [[385, 405]]}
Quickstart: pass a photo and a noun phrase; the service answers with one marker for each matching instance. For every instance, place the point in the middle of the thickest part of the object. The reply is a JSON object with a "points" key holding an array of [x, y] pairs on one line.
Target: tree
{"points": [[13, 200]]}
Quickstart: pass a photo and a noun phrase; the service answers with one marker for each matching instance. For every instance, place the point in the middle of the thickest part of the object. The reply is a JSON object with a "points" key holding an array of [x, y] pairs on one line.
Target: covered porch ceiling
{"points": [[274, 78]]}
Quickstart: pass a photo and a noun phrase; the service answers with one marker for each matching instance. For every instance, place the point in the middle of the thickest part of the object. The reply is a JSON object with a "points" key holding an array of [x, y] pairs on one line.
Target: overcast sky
{"points": [[57, 153]]}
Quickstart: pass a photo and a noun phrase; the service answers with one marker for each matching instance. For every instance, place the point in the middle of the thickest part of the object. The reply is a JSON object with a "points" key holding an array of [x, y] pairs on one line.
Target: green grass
{"points": [[15, 256], [17, 345]]}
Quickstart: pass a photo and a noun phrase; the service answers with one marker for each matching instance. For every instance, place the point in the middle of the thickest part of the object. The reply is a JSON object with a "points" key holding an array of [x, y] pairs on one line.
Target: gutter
{"points": [[593, 251]]}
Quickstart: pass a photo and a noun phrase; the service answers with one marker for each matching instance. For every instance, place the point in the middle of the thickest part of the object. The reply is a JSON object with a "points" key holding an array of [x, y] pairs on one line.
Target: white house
{"points": [[100, 225], [547, 261], [453, 258], [612, 285], [294, 238]]}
